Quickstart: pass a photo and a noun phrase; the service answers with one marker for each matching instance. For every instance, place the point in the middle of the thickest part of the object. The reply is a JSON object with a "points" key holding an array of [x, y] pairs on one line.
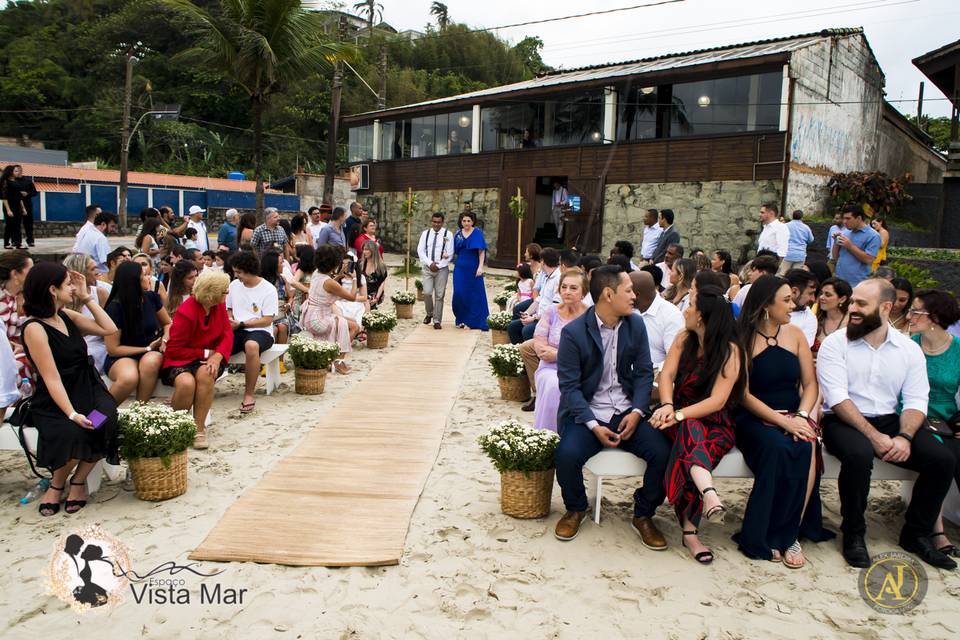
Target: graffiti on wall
{"points": [[816, 143]]}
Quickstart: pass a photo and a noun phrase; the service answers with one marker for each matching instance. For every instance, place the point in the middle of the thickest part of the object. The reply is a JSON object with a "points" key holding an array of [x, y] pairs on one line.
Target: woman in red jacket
{"points": [[369, 235], [199, 348]]}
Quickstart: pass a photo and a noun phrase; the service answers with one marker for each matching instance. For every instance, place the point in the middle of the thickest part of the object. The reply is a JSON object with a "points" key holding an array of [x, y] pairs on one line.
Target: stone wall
{"points": [[709, 215], [387, 208]]}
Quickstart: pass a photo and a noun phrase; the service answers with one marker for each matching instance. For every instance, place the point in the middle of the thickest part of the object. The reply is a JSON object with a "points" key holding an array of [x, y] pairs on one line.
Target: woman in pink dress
{"points": [[546, 339], [320, 317]]}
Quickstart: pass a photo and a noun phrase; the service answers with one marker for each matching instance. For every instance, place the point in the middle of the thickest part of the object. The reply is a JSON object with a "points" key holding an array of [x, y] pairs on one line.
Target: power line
{"points": [[572, 17]]}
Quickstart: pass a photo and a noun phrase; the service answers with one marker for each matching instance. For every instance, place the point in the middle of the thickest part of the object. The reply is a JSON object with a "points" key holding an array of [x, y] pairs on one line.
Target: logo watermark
{"points": [[894, 583]]}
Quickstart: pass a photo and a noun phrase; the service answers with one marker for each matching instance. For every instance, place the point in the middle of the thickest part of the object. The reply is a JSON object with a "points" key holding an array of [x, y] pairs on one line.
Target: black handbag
{"points": [[22, 418], [946, 428]]}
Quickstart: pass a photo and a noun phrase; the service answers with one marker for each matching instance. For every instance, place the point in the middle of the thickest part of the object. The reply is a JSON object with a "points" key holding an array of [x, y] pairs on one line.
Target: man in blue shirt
{"points": [[227, 235], [856, 247], [834, 230], [800, 237]]}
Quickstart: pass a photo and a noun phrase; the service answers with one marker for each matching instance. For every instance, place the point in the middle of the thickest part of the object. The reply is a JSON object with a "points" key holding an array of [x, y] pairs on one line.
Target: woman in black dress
{"points": [[775, 432], [68, 386]]}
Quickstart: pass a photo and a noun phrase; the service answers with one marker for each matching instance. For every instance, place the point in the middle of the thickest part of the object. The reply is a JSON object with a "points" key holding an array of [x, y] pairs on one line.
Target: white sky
{"points": [[898, 30]]}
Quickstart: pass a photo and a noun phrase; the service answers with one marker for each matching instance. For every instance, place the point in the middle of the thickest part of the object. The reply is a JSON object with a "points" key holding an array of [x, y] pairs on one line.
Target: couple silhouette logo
{"points": [[87, 569]]}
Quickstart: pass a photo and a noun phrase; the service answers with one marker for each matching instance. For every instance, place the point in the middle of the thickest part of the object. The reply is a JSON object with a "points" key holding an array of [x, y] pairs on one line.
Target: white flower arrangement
{"points": [[154, 431], [500, 320], [377, 320], [308, 353], [516, 447], [403, 297], [505, 361], [502, 298]]}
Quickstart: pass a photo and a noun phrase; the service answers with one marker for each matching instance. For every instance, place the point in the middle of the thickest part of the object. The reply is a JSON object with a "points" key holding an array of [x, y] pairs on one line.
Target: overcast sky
{"points": [[898, 30]]}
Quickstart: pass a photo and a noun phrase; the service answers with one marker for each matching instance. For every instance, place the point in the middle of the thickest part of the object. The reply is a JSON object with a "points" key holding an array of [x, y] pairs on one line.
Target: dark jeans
{"points": [[578, 444], [930, 459], [11, 230], [517, 330], [27, 219]]}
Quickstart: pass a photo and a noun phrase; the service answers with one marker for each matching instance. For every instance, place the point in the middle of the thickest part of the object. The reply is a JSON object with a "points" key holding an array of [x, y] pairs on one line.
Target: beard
{"points": [[865, 326]]}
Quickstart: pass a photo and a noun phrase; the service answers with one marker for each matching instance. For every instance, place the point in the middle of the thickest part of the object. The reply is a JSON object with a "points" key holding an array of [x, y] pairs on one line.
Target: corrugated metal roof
{"points": [[663, 62], [52, 173]]}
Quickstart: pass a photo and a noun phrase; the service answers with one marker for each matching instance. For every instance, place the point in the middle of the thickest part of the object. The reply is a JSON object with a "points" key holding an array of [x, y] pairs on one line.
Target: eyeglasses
{"points": [[917, 312]]}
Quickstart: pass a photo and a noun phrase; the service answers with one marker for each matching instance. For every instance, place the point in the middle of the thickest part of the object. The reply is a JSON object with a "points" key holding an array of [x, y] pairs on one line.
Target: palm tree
{"points": [[259, 47], [443, 14], [372, 9]]}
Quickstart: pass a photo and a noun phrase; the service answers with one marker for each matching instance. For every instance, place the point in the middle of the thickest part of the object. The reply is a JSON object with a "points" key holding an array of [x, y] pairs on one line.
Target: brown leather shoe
{"points": [[650, 536], [569, 525], [531, 404]]}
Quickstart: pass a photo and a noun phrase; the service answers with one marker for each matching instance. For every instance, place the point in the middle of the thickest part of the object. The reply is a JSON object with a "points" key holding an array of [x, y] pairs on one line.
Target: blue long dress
{"points": [[780, 466], [469, 294]]}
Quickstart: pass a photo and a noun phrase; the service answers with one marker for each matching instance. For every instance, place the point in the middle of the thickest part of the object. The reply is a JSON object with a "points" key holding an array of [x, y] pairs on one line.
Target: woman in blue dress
{"points": [[469, 294], [774, 430]]}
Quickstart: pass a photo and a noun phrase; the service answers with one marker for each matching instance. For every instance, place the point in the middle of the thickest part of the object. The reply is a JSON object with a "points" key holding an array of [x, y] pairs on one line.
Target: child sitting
{"points": [[524, 283], [190, 238]]}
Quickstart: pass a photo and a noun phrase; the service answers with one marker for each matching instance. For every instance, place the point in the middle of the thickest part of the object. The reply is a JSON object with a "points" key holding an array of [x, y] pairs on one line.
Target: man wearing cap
{"points": [[196, 222], [227, 235]]}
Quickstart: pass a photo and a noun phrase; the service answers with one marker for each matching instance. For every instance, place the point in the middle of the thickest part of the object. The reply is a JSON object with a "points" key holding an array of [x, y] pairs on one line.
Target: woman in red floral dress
{"points": [[701, 379]]}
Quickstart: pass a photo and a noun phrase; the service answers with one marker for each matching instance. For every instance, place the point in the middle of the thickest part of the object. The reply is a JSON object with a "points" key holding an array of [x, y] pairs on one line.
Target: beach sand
{"points": [[467, 570]]}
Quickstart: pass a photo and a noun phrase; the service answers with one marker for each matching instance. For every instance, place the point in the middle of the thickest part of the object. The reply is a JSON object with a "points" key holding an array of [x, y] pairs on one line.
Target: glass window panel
{"points": [[423, 137], [637, 114], [459, 132], [441, 133], [511, 126], [576, 120], [726, 105], [360, 143], [389, 145]]}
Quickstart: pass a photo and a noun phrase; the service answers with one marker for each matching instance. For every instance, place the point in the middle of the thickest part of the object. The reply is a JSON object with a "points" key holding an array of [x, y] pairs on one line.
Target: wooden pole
{"points": [[406, 257], [519, 225]]}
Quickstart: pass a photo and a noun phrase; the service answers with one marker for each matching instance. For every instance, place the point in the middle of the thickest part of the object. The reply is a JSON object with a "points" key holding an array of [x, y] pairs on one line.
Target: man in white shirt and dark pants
{"points": [[434, 250], [557, 203], [863, 373], [775, 236], [651, 234]]}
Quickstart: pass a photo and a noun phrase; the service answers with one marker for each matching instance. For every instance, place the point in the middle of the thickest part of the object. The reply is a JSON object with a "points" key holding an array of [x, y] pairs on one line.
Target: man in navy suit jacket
{"points": [[605, 376]]}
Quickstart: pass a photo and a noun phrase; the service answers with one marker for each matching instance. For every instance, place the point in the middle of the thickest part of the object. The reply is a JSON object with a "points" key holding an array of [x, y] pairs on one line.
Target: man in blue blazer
{"points": [[605, 376]]}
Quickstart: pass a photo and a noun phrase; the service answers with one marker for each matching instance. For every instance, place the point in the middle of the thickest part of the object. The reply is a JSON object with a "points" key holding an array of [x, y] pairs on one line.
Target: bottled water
{"points": [[36, 492], [26, 388]]}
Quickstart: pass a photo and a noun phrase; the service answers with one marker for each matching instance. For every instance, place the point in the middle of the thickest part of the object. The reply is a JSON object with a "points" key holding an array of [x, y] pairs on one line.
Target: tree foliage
{"points": [[61, 83], [936, 128]]}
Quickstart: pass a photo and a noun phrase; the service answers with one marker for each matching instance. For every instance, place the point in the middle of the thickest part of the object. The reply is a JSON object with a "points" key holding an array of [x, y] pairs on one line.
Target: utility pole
{"points": [[333, 128], [125, 139], [382, 96], [920, 108]]}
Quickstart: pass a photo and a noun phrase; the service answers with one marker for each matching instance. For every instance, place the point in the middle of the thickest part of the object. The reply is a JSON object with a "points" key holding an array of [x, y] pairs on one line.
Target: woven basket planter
{"points": [[309, 382], [419, 295], [404, 311], [503, 307], [515, 389], [152, 480], [378, 339], [526, 496], [499, 336]]}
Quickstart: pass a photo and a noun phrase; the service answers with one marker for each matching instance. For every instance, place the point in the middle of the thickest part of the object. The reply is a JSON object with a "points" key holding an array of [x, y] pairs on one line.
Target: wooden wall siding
{"points": [[705, 159]]}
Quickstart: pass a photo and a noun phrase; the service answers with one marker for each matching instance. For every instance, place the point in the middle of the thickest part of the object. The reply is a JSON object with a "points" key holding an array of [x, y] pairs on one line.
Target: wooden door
{"points": [[507, 232], [584, 230]]}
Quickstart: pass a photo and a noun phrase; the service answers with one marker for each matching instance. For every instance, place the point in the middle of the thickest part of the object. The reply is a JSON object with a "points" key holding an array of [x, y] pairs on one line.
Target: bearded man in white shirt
{"points": [[434, 250], [865, 372]]}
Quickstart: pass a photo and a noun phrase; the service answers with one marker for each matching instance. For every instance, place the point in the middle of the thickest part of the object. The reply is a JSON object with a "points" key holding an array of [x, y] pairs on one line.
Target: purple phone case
{"points": [[96, 418]]}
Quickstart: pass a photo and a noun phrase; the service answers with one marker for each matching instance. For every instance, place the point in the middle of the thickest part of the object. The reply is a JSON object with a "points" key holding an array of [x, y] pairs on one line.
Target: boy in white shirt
{"points": [[251, 306]]}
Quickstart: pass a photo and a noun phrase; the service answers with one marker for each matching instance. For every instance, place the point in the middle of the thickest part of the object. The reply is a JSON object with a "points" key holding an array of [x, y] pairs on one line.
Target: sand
{"points": [[467, 570]]}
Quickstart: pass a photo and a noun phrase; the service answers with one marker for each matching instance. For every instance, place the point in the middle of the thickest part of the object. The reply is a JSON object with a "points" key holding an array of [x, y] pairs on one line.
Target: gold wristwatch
{"points": [[678, 416]]}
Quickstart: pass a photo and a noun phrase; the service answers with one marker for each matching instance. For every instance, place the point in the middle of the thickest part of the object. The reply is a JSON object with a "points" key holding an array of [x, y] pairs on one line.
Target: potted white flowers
{"points": [[312, 359], [403, 303], [378, 324], [501, 300], [498, 323], [507, 366], [524, 458], [154, 440], [418, 283]]}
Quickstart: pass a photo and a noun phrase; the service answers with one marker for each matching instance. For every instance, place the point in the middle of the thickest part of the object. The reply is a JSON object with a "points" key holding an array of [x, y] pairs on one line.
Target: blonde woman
{"points": [[374, 272], [681, 279], [85, 265]]}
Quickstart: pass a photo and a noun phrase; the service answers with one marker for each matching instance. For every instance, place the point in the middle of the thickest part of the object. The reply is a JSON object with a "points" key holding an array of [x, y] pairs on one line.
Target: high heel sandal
{"points": [[947, 549], [52, 507], [715, 514], [78, 504], [704, 557]]}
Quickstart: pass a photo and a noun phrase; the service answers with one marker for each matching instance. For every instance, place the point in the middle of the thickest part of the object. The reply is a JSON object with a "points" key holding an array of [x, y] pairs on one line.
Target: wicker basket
{"points": [[378, 339], [419, 295], [516, 388], [309, 382], [152, 480], [526, 496], [499, 336], [404, 311]]}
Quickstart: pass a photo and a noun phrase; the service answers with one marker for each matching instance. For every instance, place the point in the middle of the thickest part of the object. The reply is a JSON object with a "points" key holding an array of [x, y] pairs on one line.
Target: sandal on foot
{"points": [[341, 367], [717, 513], [947, 549], [704, 557], [52, 507], [796, 550], [76, 505], [247, 407], [200, 441]]}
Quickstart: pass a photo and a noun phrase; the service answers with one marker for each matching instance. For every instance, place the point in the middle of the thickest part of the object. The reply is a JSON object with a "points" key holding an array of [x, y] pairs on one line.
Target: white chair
{"points": [[10, 441], [271, 359], [614, 463]]}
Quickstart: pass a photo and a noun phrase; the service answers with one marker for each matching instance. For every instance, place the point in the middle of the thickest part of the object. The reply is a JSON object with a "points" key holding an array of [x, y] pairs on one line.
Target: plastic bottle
{"points": [[26, 388], [36, 492]]}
